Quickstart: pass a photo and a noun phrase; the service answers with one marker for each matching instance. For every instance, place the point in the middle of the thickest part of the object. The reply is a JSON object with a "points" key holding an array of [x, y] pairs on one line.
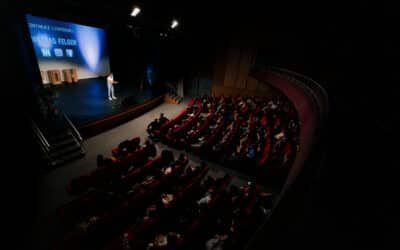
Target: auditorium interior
{"points": [[225, 126]]}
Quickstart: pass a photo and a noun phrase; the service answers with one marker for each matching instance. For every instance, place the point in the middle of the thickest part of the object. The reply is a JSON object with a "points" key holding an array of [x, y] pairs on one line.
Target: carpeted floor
{"points": [[50, 186]]}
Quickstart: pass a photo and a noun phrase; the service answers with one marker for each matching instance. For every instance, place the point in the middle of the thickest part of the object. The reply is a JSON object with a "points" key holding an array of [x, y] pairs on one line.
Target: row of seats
{"points": [[161, 198], [119, 203], [143, 201], [258, 132], [134, 154]]}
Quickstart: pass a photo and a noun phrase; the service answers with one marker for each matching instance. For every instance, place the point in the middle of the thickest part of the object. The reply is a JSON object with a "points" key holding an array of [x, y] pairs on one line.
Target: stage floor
{"points": [[87, 100]]}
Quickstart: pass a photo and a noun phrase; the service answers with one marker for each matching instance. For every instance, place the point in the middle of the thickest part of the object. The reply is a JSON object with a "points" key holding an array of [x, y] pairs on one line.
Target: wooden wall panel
{"points": [[231, 74], [219, 68], [232, 63], [244, 68], [252, 84], [262, 87], [229, 91]]}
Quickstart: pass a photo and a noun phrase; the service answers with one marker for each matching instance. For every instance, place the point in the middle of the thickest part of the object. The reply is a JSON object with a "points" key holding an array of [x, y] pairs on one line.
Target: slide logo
{"points": [[69, 52], [58, 52], [45, 52]]}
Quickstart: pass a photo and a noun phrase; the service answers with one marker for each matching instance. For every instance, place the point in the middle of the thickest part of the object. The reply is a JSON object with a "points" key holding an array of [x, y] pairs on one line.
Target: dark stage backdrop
{"points": [[62, 45]]}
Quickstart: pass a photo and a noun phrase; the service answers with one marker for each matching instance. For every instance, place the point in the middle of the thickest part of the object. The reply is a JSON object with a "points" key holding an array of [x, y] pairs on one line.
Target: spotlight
{"points": [[174, 24], [135, 11]]}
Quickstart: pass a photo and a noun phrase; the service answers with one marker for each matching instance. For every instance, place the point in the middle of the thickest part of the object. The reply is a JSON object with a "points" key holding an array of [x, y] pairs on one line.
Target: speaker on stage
{"points": [[129, 101]]}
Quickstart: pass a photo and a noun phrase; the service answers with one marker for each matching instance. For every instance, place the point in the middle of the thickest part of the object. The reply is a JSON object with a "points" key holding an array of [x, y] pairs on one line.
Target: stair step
{"points": [[73, 156], [67, 158], [60, 137], [63, 143], [58, 152]]}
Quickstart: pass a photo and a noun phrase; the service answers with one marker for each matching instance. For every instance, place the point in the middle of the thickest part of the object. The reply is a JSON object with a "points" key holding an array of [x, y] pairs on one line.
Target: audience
{"points": [[250, 129], [241, 129]]}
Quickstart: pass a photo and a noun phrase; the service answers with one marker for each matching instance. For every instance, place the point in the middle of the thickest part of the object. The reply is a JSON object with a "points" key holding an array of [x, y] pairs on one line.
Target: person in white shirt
{"points": [[110, 86]]}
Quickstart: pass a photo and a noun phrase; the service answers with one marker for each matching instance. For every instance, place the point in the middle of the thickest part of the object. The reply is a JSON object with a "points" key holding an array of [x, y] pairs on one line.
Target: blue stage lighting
{"points": [[90, 43]]}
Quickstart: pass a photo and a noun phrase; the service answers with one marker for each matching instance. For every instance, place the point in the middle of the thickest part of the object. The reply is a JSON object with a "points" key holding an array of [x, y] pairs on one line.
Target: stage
{"points": [[87, 101]]}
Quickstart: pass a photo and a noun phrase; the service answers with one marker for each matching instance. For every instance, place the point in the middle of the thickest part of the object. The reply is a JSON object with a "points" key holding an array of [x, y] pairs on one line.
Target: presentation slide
{"points": [[62, 45]]}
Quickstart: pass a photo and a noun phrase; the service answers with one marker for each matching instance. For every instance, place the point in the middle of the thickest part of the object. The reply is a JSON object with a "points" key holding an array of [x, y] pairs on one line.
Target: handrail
{"points": [[39, 133], [45, 151], [319, 97], [76, 132], [308, 81]]}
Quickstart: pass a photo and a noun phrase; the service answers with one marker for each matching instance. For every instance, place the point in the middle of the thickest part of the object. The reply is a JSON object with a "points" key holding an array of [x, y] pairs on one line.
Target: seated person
{"points": [[124, 144], [279, 135], [233, 156], [207, 198], [191, 131], [148, 180], [172, 238], [125, 147], [181, 159], [150, 149], [234, 193], [210, 181], [188, 170], [167, 157], [217, 242], [213, 126], [162, 119], [122, 153], [160, 241], [125, 245], [251, 152], [166, 199], [246, 189], [272, 105], [205, 114], [134, 188], [200, 141], [217, 147], [169, 132], [154, 125], [86, 224], [150, 211], [167, 170], [177, 125]]}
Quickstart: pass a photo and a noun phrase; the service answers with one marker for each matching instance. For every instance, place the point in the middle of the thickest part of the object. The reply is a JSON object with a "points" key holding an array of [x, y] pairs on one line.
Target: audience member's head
{"points": [[100, 160]]}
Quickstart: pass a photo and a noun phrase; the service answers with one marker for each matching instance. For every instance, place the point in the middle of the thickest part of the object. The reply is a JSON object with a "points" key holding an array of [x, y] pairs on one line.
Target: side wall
{"points": [[231, 73], [233, 76]]}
